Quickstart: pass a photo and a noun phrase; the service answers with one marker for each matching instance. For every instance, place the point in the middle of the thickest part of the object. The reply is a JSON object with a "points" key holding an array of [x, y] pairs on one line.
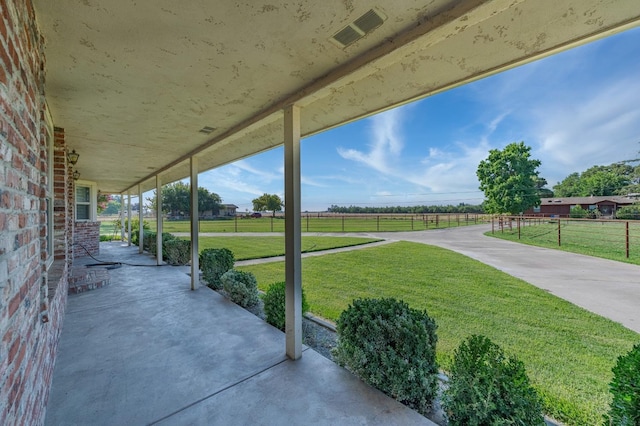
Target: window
{"points": [[536, 209], [592, 207], [85, 201]]}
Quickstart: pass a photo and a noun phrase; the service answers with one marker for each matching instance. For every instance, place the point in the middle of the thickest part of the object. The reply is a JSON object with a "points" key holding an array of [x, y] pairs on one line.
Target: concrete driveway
{"points": [[606, 287]]}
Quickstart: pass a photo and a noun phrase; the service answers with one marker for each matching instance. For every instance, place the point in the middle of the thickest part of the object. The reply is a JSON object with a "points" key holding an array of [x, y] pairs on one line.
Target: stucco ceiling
{"points": [[134, 82]]}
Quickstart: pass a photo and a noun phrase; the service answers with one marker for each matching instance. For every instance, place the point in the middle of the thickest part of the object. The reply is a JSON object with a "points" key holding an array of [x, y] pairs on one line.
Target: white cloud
{"points": [[386, 142]]}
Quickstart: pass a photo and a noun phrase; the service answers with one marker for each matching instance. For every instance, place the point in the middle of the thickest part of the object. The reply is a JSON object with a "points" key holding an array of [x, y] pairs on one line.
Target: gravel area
{"points": [[316, 336]]}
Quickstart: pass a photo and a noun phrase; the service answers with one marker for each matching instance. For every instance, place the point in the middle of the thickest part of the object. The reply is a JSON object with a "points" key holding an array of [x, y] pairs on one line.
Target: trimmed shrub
{"points": [[213, 264], [148, 239], [153, 246], [177, 252], [488, 388], [274, 304], [391, 347], [625, 387], [241, 287], [631, 212], [578, 212], [135, 227]]}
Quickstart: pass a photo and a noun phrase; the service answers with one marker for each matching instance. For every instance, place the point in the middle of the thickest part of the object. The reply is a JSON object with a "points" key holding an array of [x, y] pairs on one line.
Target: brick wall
{"points": [[86, 238], [32, 298]]}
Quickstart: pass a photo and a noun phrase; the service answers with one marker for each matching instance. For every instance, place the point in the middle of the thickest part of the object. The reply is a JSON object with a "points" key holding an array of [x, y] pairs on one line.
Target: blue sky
{"points": [[576, 109]]}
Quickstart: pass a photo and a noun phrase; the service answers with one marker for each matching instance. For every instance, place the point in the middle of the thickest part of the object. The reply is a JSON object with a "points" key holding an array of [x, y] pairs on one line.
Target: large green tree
{"points": [[268, 202], [176, 199], [509, 179], [614, 179]]}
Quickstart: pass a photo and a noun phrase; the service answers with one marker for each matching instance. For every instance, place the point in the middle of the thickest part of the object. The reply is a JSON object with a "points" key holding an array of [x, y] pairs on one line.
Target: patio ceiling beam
{"points": [[293, 233], [195, 266]]}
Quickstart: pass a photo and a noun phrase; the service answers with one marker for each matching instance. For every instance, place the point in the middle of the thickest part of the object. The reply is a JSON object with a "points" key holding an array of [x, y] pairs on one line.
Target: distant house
{"points": [[557, 206], [227, 210]]}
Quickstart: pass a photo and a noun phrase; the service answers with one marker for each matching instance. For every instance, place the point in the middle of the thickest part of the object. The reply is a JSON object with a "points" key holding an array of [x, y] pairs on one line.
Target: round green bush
{"points": [[177, 252], [391, 347], [488, 388], [214, 263], [274, 304], [241, 287], [625, 388]]}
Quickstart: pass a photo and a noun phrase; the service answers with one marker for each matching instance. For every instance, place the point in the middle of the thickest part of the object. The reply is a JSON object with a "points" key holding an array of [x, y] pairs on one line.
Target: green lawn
{"points": [[593, 238], [364, 223], [569, 352], [259, 247]]}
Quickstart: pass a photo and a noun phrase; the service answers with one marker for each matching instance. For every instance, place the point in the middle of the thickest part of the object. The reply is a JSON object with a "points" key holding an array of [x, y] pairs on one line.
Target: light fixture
{"points": [[73, 157], [76, 175]]}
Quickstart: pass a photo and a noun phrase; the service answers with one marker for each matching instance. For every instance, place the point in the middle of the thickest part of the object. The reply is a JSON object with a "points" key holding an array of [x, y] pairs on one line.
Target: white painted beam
{"points": [[293, 233], [159, 220], [195, 265], [122, 216], [129, 218], [140, 220]]}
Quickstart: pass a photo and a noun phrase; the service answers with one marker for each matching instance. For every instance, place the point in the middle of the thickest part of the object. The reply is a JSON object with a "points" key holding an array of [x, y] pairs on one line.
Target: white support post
{"points": [[293, 233], [195, 265], [158, 220], [140, 219], [129, 217], [122, 216]]}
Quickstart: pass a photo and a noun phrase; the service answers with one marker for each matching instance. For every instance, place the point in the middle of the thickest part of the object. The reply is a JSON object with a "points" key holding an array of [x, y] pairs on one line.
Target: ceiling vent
{"points": [[359, 28], [207, 129]]}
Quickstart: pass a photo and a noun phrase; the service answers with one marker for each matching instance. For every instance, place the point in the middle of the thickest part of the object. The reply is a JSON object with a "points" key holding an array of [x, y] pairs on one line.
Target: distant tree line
{"points": [[460, 208]]}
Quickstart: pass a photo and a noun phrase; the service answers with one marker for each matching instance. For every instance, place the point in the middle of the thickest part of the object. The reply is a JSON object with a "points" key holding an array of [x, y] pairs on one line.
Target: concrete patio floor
{"points": [[147, 350]]}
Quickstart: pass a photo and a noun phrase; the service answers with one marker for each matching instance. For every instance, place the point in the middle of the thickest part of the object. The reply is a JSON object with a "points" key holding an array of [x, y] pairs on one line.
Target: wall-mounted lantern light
{"points": [[73, 157], [76, 175]]}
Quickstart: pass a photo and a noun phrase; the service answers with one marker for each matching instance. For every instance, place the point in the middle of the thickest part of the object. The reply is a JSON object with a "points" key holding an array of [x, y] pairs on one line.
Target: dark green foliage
{"points": [[177, 252], [153, 246], [625, 387], [578, 212], [148, 239], [241, 287], [488, 388], [135, 227], [274, 304], [213, 264], [509, 179], [629, 212], [391, 347]]}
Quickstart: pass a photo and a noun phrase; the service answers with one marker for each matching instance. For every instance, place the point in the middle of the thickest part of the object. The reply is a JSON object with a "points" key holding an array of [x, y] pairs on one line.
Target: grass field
{"points": [[353, 223], [568, 351], [593, 238], [259, 247]]}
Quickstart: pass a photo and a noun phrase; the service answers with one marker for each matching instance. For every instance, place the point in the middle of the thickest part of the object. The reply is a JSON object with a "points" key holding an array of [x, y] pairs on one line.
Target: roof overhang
{"points": [[133, 83]]}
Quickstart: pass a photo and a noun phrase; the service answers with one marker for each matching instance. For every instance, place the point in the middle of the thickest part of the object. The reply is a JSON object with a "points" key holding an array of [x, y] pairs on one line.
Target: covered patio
{"points": [[147, 350], [121, 97]]}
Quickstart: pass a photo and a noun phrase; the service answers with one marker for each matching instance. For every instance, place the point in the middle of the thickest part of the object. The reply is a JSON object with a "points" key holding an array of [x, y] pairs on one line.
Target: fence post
{"points": [[342, 223], [493, 231], [458, 219], [449, 220], [235, 223], [378, 223], [412, 222], [627, 237], [437, 221], [559, 239], [271, 223], [307, 222], [518, 227]]}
